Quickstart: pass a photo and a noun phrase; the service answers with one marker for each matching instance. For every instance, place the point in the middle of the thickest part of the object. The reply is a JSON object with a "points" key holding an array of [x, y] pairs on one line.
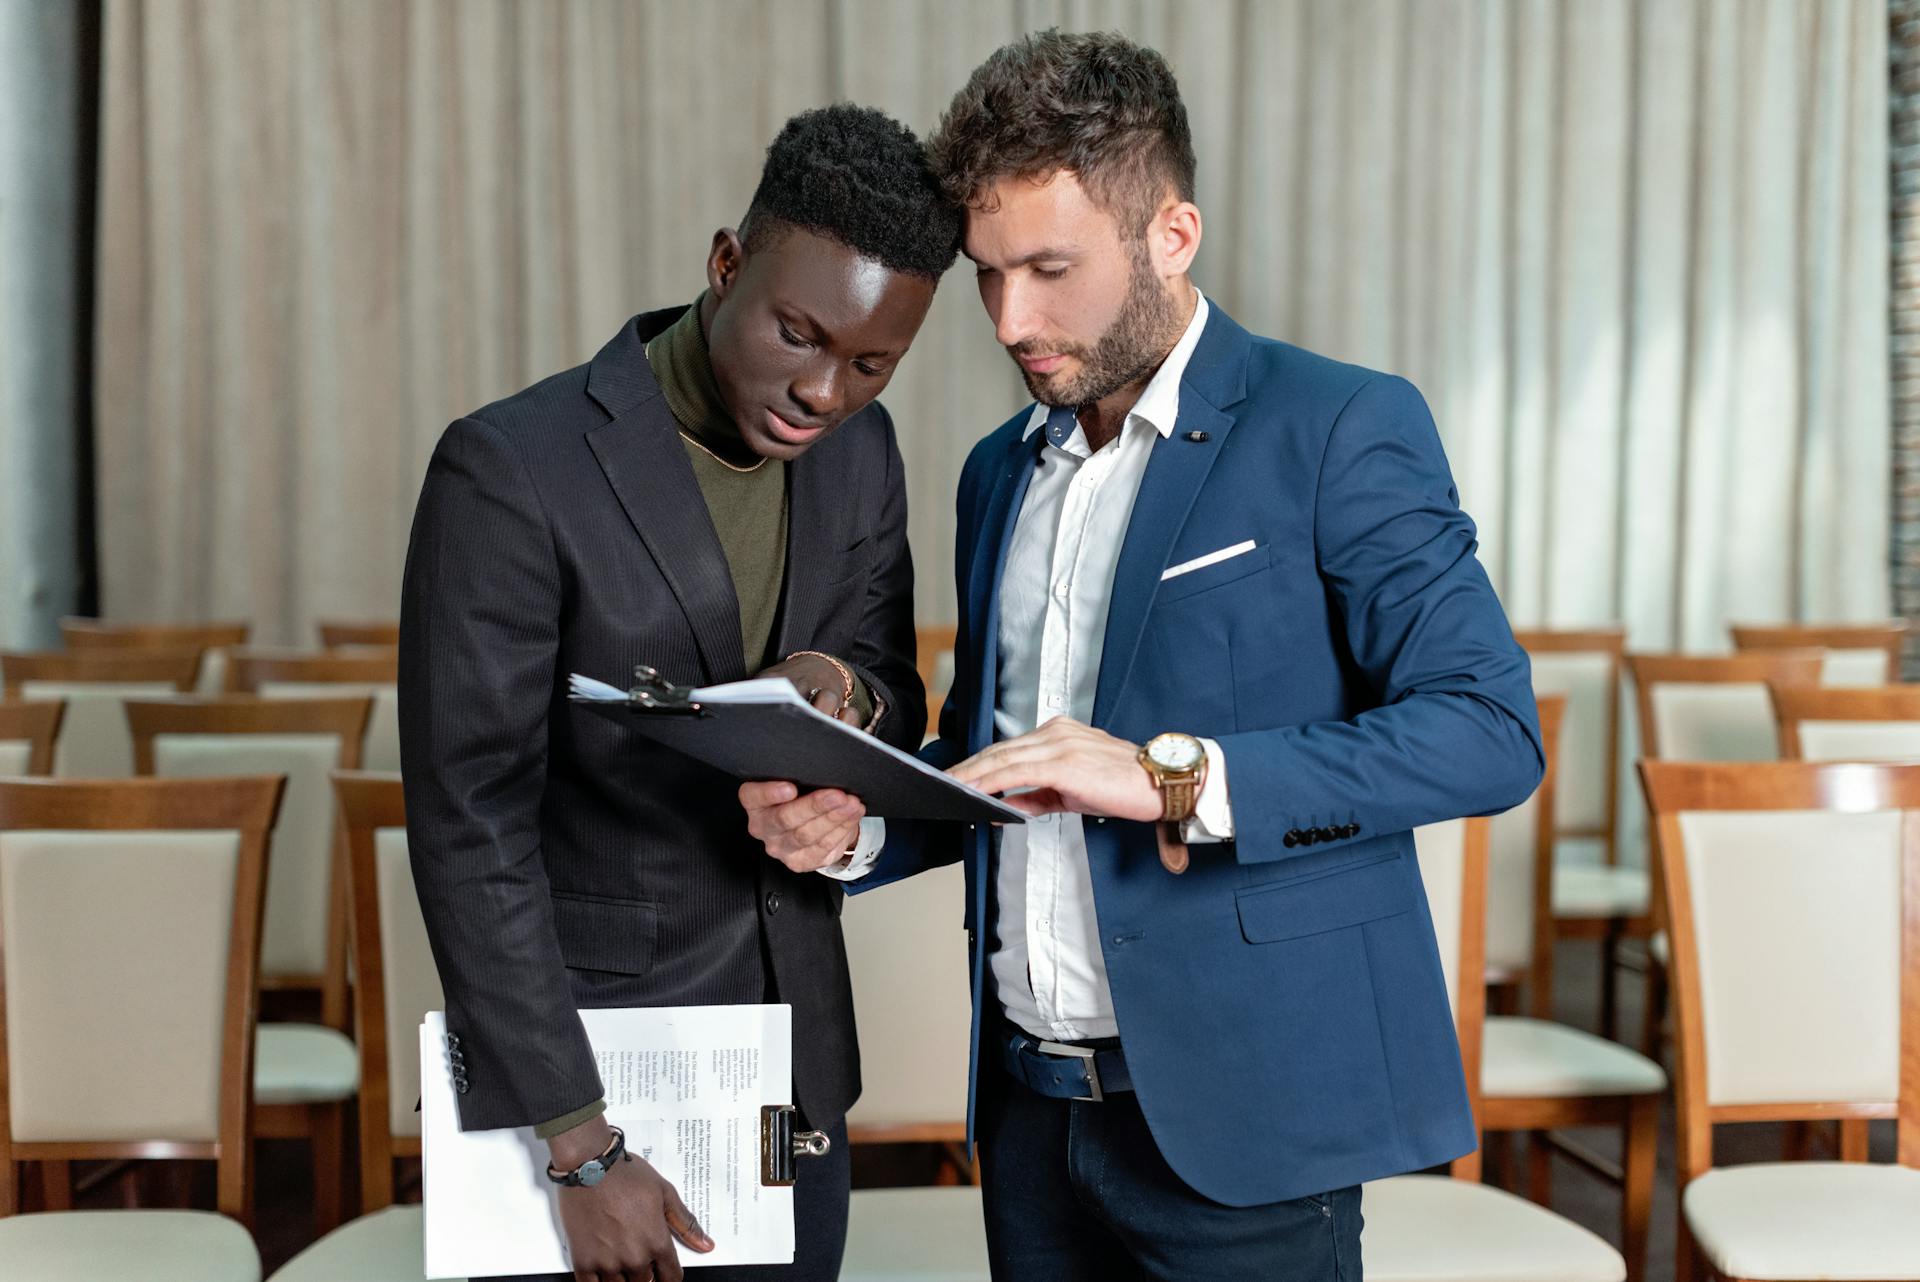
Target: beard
{"points": [[1136, 341]]}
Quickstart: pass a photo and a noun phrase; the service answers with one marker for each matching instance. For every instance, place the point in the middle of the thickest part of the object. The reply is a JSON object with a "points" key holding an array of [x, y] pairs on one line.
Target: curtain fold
{"points": [[1635, 255]]}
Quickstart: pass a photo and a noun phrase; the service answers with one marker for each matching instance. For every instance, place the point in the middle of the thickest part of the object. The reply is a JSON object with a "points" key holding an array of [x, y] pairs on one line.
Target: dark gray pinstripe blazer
{"points": [[561, 861]]}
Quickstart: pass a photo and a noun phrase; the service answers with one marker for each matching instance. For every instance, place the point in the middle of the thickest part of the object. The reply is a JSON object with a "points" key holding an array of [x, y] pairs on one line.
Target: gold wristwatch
{"points": [[1177, 764]]}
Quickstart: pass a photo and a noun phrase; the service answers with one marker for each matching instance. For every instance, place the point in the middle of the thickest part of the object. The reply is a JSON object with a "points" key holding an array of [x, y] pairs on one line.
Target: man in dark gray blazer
{"points": [[716, 494]]}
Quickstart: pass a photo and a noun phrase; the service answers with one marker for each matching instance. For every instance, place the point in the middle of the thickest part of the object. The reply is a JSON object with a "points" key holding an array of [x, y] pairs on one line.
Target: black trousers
{"points": [[819, 1226], [1077, 1191]]}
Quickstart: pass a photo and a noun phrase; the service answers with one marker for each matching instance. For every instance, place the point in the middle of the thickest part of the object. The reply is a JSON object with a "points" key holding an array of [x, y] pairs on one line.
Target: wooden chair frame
{"points": [[248, 670], [367, 803], [247, 805], [1552, 712], [1890, 636], [1675, 788], [38, 722], [175, 667], [1753, 667], [1794, 704], [1470, 1005], [381, 634], [929, 644], [1611, 642], [98, 634]]}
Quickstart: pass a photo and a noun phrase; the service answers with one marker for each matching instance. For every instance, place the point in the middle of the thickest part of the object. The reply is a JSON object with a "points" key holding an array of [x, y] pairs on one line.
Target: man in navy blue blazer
{"points": [[1224, 636]]}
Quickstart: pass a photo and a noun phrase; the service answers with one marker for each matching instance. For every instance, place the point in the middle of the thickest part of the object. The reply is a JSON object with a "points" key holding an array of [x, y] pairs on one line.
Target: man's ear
{"points": [[1175, 237], [725, 260]]}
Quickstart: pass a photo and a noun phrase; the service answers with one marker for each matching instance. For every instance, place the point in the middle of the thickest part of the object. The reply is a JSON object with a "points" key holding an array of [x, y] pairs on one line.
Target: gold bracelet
{"points": [[846, 674]]}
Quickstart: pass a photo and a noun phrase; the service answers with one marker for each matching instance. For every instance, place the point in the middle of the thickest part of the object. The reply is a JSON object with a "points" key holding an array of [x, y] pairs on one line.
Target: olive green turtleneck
{"points": [[746, 496]]}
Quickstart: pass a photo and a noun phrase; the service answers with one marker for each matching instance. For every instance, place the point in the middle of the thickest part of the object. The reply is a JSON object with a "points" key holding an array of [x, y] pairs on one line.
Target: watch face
{"points": [[1176, 752], [591, 1173]]}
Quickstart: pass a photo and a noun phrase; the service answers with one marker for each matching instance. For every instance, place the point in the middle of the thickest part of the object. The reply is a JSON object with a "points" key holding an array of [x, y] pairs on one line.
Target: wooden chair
{"points": [[1793, 893], [304, 1074], [129, 935], [1429, 1228], [933, 651], [93, 741], [359, 633], [28, 730], [289, 675], [1520, 926], [1854, 654], [212, 640], [1862, 723]]}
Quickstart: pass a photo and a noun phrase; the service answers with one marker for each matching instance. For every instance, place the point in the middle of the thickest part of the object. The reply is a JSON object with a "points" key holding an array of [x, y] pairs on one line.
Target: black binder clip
{"points": [[655, 693], [781, 1146]]}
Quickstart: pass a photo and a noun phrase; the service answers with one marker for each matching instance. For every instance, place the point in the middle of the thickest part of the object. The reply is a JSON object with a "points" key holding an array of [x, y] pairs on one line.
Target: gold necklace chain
{"points": [[731, 467]]}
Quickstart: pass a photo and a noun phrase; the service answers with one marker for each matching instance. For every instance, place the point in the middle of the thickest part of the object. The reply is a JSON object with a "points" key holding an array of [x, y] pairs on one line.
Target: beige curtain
{"points": [[1634, 253]]}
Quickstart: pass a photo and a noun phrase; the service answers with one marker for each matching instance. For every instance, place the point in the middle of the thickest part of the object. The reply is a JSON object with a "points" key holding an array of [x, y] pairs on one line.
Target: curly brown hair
{"points": [[1096, 104]]}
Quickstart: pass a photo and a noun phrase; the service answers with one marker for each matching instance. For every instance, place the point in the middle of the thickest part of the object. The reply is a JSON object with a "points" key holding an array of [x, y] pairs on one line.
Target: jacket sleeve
{"points": [[479, 636], [1455, 732]]}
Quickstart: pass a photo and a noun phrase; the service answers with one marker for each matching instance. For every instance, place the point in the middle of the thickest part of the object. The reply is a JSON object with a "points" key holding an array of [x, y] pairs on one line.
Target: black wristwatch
{"points": [[594, 1169]]}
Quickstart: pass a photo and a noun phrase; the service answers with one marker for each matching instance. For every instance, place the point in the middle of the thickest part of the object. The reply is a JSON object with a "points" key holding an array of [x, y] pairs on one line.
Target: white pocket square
{"points": [[1211, 558]]}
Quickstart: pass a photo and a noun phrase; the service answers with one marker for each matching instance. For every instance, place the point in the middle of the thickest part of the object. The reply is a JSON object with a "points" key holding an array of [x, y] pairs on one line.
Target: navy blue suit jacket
{"points": [[1281, 1003]]}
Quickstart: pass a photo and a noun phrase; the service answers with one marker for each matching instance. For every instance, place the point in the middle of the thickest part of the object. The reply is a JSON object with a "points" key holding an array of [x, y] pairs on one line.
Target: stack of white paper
{"points": [[685, 1083]]}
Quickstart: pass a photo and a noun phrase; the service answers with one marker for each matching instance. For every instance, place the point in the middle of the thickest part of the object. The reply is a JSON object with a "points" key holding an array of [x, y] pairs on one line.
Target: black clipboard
{"points": [[778, 736]]}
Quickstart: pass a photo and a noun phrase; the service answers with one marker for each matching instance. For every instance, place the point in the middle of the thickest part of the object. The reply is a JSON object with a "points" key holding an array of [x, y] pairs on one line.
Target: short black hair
{"points": [[1095, 104], [860, 177]]}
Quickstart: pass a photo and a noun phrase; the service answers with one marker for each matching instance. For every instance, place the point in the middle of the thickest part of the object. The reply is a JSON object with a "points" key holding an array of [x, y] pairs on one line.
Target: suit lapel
{"points": [[810, 550], [646, 465], [992, 540]]}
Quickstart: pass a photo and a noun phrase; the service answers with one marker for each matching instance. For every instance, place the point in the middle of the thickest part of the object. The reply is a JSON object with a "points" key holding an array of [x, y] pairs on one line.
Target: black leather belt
{"points": [[1059, 1071]]}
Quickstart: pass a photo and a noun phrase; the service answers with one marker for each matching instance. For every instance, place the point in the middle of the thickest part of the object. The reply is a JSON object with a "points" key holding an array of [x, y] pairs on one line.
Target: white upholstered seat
{"points": [[304, 1064], [915, 1235], [386, 1246], [150, 1246], [1538, 1059], [1429, 1228], [1793, 1220], [1601, 891]]}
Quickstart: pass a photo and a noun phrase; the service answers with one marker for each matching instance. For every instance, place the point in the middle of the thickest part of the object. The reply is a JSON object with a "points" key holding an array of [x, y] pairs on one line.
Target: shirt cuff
{"points": [[865, 853], [1212, 817], [561, 1125]]}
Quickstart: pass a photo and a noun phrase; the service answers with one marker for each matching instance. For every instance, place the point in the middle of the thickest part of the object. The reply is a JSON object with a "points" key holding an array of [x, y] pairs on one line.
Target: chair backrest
{"points": [[1453, 866], [211, 640], [287, 675], [303, 944], [933, 650], [914, 1056], [1714, 707], [1585, 666], [129, 946], [379, 633], [1520, 869], [1865, 723], [1854, 654], [1793, 898], [28, 731], [93, 742], [398, 980]]}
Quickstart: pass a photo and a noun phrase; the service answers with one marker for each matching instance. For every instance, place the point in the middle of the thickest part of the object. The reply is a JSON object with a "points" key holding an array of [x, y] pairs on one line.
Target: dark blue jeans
{"points": [[1077, 1191]]}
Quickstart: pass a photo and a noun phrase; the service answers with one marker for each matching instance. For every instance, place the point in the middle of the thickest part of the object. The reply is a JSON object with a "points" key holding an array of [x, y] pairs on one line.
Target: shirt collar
{"points": [[1159, 402]]}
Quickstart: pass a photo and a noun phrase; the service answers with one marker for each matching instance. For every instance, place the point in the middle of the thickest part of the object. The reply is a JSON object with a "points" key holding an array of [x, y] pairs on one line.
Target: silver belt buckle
{"points": [[1083, 1053]]}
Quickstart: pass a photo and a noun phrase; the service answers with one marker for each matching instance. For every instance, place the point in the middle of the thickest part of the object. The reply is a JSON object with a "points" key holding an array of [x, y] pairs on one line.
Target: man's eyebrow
{"points": [[1051, 253]]}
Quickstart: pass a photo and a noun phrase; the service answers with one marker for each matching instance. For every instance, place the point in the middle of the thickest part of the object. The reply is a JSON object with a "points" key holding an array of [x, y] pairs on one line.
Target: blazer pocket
{"points": [[606, 934], [1208, 577], [1323, 901]]}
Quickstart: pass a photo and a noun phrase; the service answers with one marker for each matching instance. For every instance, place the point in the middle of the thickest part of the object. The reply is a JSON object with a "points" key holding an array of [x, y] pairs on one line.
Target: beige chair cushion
{"points": [[304, 1064], [293, 940], [412, 982], [1601, 890], [1442, 851], [380, 751], [386, 1246], [95, 742], [1791, 1220], [1715, 721], [15, 756], [116, 980], [1537, 1059], [916, 1235], [1897, 741], [127, 1246], [1428, 1228], [1797, 916], [1587, 679], [1510, 857], [913, 1058], [1854, 667]]}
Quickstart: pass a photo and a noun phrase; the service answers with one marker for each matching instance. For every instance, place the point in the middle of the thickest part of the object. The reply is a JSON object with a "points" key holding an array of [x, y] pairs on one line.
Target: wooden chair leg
{"points": [[9, 1187], [1853, 1139], [56, 1183], [1539, 1169], [1640, 1152], [328, 1138], [1688, 1266]]}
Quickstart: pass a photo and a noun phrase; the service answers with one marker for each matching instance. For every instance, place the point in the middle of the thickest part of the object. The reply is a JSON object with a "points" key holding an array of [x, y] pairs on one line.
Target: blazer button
{"points": [[460, 1085], [773, 902], [1291, 840]]}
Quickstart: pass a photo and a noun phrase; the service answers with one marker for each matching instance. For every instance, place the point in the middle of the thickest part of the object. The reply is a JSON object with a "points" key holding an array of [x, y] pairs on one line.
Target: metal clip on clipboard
{"points": [[654, 692], [781, 1145]]}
